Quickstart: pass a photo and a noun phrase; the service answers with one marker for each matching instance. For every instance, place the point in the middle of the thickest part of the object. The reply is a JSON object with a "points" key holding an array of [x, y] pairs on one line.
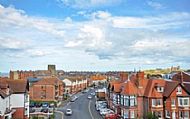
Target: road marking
{"points": [[60, 113], [90, 110]]}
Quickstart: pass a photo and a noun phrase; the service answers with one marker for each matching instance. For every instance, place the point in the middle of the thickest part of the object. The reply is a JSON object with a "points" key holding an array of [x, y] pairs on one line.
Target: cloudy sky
{"points": [[97, 35]]}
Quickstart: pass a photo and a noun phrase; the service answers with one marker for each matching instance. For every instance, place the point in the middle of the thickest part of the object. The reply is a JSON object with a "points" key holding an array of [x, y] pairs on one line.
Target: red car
{"points": [[111, 116]]}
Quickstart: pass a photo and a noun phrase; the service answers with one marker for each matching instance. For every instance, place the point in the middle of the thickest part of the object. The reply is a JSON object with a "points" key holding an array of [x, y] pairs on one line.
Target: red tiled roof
{"points": [[181, 77], [150, 90], [117, 87], [48, 81], [3, 94], [18, 86], [169, 87], [129, 88]]}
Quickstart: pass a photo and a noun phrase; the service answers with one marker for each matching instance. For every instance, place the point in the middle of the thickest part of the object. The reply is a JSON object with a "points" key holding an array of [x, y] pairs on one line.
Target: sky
{"points": [[94, 35]]}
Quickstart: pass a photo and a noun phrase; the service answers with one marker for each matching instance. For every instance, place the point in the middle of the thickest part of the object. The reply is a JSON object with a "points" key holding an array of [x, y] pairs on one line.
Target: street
{"points": [[83, 108]]}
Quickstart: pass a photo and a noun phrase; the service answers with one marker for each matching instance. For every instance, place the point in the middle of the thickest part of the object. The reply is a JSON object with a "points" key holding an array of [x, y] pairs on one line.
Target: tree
{"points": [[150, 115]]}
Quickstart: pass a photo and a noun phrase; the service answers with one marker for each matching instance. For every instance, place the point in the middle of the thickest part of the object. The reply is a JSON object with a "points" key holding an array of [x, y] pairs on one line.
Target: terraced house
{"points": [[14, 99], [137, 96]]}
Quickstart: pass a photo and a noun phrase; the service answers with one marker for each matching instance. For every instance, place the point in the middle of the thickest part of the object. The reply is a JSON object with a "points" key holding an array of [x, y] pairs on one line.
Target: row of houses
{"points": [[136, 96], [14, 99]]}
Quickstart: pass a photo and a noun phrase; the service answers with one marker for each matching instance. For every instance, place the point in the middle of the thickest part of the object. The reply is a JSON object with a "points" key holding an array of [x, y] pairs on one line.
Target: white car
{"points": [[93, 93], [73, 98], [106, 111], [68, 112], [89, 97]]}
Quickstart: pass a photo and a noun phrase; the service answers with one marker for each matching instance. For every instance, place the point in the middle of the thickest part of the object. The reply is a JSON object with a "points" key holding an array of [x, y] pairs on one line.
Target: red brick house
{"points": [[47, 89], [138, 96], [176, 100]]}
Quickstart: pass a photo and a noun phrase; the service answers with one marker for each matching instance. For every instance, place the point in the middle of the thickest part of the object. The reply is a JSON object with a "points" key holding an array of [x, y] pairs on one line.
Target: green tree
{"points": [[151, 116]]}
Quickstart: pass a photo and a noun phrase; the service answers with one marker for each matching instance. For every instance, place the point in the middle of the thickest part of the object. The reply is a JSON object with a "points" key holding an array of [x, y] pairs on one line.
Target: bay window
{"points": [[184, 102]]}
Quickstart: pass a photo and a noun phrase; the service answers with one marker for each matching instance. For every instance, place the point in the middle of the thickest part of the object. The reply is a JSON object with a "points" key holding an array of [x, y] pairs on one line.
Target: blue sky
{"points": [[97, 35]]}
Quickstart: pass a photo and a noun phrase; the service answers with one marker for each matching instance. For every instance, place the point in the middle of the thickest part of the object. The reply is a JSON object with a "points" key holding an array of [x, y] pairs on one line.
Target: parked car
{"points": [[44, 110], [100, 105], [89, 97], [52, 105], [68, 112], [38, 105], [73, 98], [93, 93], [45, 105], [32, 105], [31, 110], [105, 111], [111, 116]]}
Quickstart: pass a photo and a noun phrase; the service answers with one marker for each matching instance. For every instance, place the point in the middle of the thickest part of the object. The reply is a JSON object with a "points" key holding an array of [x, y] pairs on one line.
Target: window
{"points": [[126, 101], [118, 99], [158, 114], [132, 100], [132, 114], [122, 100], [156, 102], [153, 102], [183, 101], [179, 90], [126, 114], [160, 89], [159, 102], [167, 114], [186, 114], [173, 102], [180, 114], [114, 98]]}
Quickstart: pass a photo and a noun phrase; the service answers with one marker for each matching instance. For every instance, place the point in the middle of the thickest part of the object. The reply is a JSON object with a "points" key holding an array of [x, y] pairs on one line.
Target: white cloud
{"points": [[101, 15], [103, 38], [17, 18], [12, 43], [155, 5], [88, 3]]}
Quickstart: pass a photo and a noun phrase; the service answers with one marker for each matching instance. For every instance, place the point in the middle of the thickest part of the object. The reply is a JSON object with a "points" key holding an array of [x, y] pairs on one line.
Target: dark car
{"points": [[44, 110], [32, 105], [31, 110], [38, 105]]}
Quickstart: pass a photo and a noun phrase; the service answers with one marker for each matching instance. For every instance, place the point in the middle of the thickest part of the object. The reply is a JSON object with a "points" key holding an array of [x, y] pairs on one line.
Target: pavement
{"points": [[83, 108]]}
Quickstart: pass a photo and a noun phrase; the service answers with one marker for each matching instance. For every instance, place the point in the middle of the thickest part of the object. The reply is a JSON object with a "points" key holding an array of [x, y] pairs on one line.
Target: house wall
{"points": [[47, 93], [19, 114], [4, 103], [17, 100]]}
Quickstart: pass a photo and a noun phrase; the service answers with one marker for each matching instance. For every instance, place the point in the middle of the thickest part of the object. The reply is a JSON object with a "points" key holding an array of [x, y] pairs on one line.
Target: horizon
{"points": [[94, 35]]}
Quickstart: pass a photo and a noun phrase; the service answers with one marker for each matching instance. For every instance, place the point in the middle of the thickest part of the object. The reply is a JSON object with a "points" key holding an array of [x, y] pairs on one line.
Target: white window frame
{"points": [[132, 114], [182, 99], [186, 114], [132, 100], [126, 114], [173, 102], [126, 101], [153, 102], [168, 112], [160, 89], [179, 90]]}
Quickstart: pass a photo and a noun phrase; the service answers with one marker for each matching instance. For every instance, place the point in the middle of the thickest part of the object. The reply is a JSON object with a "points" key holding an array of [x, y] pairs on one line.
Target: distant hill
{"points": [[160, 71]]}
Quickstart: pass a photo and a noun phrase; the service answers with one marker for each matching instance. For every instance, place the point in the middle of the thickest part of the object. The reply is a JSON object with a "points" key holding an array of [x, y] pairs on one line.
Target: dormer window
{"points": [[160, 89], [179, 90]]}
